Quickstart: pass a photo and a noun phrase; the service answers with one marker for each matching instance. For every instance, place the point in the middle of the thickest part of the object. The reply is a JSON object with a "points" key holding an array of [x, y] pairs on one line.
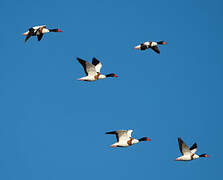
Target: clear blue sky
{"points": [[52, 126]]}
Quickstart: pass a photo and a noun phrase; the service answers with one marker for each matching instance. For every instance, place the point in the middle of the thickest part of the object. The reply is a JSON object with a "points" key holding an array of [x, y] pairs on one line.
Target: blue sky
{"points": [[52, 126]]}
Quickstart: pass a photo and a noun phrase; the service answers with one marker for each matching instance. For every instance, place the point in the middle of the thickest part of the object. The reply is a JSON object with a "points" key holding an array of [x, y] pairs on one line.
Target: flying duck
{"points": [[92, 70], [38, 31], [188, 154], [150, 44], [124, 138]]}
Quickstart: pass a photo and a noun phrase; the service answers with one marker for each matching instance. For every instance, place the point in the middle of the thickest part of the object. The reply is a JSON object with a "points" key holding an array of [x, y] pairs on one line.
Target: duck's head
{"points": [[144, 139], [111, 75], [204, 155], [162, 42], [55, 30]]}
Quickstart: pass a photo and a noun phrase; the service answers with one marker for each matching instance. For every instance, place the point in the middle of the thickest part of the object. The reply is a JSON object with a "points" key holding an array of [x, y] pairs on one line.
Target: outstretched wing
{"points": [[193, 148], [31, 33], [37, 27], [129, 133], [156, 49], [39, 37], [97, 64], [143, 47], [88, 67], [121, 135], [114, 132], [184, 149]]}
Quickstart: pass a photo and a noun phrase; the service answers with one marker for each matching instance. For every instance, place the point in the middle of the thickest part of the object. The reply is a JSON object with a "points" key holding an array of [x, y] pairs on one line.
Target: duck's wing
{"points": [[156, 49], [37, 27], [129, 133], [39, 37], [193, 148], [121, 135], [88, 67], [124, 135], [39, 32], [97, 64], [31, 33], [144, 47], [114, 132], [184, 149]]}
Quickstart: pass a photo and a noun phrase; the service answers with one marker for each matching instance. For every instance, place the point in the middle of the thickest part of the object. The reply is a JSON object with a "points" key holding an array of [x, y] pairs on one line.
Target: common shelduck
{"points": [[124, 138], [150, 44], [92, 70], [188, 154], [38, 31]]}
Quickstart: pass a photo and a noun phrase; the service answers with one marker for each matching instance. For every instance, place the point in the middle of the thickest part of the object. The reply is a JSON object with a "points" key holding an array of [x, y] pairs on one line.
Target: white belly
{"points": [[101, 76], [45, 30], [88, 78], [185, 158], [153, 44]]}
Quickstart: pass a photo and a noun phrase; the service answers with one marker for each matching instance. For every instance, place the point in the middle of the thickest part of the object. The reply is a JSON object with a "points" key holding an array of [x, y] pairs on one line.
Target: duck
{"points": [[150, 44], [124, 138], [38, 31], [188, 154], [92, 70]]}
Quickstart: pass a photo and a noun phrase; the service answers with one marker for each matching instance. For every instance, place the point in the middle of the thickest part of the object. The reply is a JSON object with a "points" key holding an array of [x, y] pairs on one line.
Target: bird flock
{"points": [[92, 70]]}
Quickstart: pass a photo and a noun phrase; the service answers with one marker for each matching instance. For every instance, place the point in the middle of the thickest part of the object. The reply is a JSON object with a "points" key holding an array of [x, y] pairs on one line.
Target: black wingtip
{"points": [[180, 140], [95, 61], [79, 59], [194, 146], [111, 132], [95, 58]]}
